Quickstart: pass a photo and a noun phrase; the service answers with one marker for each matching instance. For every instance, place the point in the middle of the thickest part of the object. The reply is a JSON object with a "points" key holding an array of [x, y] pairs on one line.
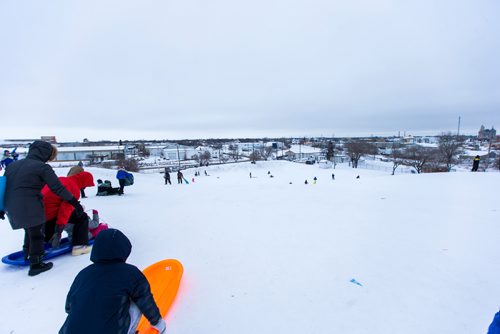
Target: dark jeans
{"points": [[80, 229], [33, 241], [122, 185], [167, 181]]}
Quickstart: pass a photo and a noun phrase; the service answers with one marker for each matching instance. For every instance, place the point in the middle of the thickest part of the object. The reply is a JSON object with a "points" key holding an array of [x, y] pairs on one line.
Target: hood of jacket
{"points": [[110, 245], [83, 179], [40, 150]]}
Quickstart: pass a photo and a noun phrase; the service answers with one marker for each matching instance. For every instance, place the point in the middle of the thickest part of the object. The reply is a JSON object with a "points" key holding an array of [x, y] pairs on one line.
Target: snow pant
{"points": [[167, 181], [82, 193], [122, 185], [33, 241], [179, 180], [80, 232], [135, 317]]}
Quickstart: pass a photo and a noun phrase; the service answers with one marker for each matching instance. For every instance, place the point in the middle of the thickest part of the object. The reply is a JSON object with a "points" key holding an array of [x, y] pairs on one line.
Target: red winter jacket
{"points": [[55, 206]]}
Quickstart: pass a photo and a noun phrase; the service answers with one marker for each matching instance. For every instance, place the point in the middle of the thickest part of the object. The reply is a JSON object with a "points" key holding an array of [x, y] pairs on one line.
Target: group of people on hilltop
{"points": [[43, 204], [8, 158]]}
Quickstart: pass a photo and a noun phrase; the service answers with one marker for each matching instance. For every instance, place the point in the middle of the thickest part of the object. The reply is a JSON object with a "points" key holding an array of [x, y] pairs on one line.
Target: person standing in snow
{"points": [[109, 295], [58, 214], [315, 179], [475, 163], [167, 177], [179, 177], [23, 200], [75, 170], [121, 175], [333, 176], [6, 159]]}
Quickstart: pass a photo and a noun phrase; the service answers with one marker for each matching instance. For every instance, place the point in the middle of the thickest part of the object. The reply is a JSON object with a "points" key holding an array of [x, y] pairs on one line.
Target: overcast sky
{"points": [[172, 69]]}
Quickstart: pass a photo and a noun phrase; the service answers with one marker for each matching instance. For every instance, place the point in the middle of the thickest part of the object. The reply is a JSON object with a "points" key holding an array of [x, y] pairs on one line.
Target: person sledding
{"points": [[105, 188], [58, 214], [116, 291], [23, 200]]}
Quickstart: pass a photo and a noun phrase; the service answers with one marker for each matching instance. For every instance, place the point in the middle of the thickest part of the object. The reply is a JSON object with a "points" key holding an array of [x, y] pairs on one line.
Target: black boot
{"points": [[37, 266]]}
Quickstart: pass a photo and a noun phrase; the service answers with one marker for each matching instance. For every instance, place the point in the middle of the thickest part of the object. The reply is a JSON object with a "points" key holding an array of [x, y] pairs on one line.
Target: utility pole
{"points": [[458, 131]]}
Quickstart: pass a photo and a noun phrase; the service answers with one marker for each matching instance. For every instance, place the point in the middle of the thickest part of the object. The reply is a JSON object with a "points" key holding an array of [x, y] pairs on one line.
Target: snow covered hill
{"points": [[274, 255]]}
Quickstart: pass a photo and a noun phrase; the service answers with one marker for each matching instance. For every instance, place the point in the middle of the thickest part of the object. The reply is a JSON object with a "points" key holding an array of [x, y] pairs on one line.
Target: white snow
{"points": [[262, 255]]}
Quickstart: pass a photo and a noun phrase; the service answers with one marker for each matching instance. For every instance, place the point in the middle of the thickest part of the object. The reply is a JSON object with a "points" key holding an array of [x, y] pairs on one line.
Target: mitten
{"points": [[161, 326], [78, 207], [56, 238]]}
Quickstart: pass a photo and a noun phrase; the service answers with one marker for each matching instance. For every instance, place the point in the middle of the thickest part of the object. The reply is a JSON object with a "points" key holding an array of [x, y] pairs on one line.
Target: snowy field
{"points": [[273, 255]]}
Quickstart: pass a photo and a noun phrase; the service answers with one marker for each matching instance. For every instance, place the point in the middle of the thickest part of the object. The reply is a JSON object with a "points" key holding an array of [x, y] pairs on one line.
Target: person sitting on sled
{"points": [[116, 291], [59, 213], [105, 188]]}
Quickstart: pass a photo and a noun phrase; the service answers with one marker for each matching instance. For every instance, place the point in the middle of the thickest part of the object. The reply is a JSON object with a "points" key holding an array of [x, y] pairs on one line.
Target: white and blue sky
{"points": [[122, 69]]}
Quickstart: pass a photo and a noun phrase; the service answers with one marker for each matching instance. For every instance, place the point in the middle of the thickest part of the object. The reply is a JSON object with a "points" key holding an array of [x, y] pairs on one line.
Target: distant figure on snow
{"points": [[475, 163], [306, 182], [167, 177], [250, 174], [179, 177], [315, 179], [357, 177], [206, 174], [333, 176], [106, 189]]}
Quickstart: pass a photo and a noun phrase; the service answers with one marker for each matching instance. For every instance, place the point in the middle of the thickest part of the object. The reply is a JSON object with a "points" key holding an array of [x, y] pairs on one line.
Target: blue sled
{"points": [[17, 258]]}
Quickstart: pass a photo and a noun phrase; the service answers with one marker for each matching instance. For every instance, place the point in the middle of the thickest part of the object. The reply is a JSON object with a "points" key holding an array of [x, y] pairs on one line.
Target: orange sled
{"points": [[164, 278]]}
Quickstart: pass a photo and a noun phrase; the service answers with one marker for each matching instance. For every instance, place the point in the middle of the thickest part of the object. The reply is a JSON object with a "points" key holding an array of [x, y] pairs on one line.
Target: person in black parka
{"points": [[104, 294], [23, 199]]}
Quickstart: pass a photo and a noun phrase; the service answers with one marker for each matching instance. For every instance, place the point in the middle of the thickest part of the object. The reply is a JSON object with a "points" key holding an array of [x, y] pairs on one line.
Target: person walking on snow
{"points": [[23, 200], [58, 214], [117, 292]]}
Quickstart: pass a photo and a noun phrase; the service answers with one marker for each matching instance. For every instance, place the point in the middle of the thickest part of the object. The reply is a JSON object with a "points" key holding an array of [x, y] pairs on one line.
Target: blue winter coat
{"points": [[121, 174], [495, 325], [100, 296]]}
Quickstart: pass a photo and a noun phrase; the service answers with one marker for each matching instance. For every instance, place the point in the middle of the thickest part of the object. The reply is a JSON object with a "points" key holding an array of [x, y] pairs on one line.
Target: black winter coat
{"points": [[25, 180], [99, 298]]}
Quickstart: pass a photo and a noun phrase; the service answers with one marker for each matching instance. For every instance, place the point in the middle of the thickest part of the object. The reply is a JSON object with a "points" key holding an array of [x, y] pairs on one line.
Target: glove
{"points": [[2, 215], [160, 326], [78, 207], [56, 238]]}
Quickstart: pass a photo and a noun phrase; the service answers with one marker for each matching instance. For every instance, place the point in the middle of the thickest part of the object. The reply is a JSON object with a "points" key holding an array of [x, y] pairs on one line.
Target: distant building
{"points": [[486, 134]]}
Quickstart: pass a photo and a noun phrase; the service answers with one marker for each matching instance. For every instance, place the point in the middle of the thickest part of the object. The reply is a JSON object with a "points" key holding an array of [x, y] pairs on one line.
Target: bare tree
{"points": [[357, 149], [330, 151], [205, 157], [254, 156], [265, 152], [418, 157], [234, 151], [397, 156], [450, 146]]}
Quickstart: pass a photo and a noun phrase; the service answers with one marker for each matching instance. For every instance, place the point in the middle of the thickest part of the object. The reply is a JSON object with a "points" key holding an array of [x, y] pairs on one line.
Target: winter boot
{"points": [[37, 266]]}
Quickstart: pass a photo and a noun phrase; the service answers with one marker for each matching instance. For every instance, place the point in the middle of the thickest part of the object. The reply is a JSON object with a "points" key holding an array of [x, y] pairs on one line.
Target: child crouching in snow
{"points": [[117, 292]]}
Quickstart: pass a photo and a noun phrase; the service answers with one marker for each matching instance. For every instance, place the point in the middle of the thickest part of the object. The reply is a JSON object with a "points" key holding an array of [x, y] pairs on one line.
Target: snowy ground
{"points": [[262, 255]]}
